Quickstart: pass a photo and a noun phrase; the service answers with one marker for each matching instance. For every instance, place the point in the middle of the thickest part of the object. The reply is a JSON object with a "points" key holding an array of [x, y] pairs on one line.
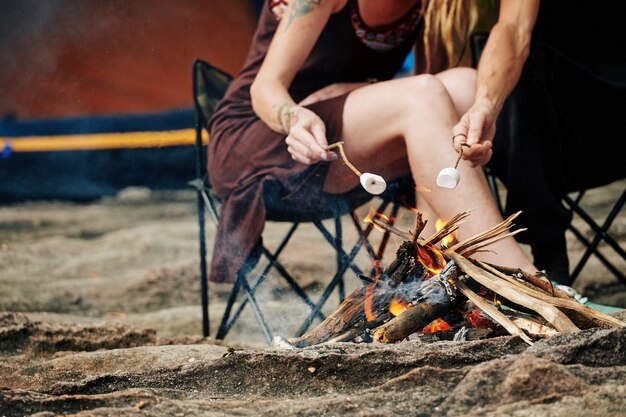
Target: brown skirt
{"points": [[251, 170]]}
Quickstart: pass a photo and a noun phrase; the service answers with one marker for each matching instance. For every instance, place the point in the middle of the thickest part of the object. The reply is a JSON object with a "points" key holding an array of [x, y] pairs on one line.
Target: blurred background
{"points": [[61, 58], [77, 76]]}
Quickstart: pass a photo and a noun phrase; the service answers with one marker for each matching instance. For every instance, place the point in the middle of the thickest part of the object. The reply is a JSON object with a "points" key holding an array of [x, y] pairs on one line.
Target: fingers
{"points": [[298, 150], [478, 154], [476, 124], [319, 133], [307, 139], [304, 145]]}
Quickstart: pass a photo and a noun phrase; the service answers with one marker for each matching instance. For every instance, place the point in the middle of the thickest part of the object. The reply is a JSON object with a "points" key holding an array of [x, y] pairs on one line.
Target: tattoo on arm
{"points": [[300, 8], [285, 115]]}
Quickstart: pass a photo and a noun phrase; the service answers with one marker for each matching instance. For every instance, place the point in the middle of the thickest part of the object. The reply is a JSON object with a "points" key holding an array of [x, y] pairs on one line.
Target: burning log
{"points": [[349, 320], [427, 284], [438, 295]]}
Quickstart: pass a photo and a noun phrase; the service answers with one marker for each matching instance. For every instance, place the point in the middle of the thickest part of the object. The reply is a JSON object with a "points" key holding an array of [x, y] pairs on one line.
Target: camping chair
{"points": [[209, 85], [600, 234]]}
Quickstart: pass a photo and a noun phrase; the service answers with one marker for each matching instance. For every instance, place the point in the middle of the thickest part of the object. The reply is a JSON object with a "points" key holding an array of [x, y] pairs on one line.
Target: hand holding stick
{"points": [[450, 177]]}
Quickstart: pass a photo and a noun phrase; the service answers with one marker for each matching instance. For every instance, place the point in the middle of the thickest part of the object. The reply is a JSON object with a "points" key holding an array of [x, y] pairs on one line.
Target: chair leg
{"points": [[273, 263], [575, 207], [320, 303], [341, 289], [225, 324], [204, 288], [347, 261], [612, 268], [257, 311], [601, 234]]}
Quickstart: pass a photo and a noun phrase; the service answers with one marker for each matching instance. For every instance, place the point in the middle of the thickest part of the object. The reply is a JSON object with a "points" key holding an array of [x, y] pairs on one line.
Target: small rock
{"points": [[311, 369]]}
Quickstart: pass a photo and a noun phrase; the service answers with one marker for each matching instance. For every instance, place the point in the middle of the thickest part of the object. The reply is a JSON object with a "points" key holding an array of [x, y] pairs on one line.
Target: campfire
{"points": [[432, 288]]}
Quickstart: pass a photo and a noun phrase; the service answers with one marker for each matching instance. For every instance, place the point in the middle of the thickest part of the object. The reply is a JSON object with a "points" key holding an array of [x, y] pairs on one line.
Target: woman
{"points": [[320, 71]]}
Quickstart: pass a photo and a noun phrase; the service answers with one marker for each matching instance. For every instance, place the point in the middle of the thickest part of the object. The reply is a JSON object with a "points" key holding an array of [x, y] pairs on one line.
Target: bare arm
{"points": [[499, 71], [293, 41]]}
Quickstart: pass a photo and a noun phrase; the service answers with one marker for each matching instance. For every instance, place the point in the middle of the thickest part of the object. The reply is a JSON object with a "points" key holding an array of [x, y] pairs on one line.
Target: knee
{"points": [[462, 79], [461, 86], [426, 84], [423, 90]]}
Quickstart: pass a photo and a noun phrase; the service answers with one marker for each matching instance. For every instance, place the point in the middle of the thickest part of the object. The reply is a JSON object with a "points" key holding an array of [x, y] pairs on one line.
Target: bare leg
{"points": [[410, 120], [460, 85]]}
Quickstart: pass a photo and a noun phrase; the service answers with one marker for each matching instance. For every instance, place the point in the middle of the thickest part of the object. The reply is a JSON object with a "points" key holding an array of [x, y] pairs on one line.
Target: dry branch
{"points": [[535, 280], [591, 315], [492, 312], [511, 292]]}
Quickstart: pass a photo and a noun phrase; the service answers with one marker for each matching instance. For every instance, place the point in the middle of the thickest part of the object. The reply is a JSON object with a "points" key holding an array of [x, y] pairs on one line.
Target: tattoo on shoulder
{"points": [[300, 8], [285, 116]]}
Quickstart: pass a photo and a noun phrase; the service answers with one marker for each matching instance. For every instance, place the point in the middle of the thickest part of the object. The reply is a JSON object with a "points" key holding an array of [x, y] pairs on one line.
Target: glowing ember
{"points": [[478, 320], [397, 307], [431, 258], [438, 325], [446, 240]]}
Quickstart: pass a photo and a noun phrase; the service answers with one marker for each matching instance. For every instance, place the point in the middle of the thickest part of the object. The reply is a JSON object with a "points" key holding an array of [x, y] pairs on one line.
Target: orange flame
{"points": [[369, 299], [437, 325], [446, 240], [397, 307], [374, 215], [369, 293], [496, 301], [431, 258]]}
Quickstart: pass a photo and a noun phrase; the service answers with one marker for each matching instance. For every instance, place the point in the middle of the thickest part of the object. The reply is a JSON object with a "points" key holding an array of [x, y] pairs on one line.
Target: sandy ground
{"points": [[102, 317], [133, 259]]}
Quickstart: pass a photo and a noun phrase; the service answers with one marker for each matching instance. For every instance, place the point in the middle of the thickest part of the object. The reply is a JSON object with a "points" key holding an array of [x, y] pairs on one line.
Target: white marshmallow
{"points": [[448, 178], [373, 184]]}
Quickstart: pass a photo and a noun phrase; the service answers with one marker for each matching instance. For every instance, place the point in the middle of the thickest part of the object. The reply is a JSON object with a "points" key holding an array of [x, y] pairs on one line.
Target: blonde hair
{"points": [[449, 22]]}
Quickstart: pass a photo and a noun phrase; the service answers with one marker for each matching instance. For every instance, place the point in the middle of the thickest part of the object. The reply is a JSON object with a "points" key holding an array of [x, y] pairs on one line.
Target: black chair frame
{"points": [[600, 234], [207, 94]]}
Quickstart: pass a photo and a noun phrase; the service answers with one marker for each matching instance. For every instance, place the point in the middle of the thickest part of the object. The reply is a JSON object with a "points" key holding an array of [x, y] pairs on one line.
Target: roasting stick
{"points": [[373, 184]]}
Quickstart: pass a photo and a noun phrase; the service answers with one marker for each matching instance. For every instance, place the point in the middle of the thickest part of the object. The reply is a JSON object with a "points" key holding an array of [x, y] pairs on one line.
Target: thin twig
{"points": [[498, 229], [418, 225], [460, 154], [450, 227], [344, 157], [392, 229]]}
